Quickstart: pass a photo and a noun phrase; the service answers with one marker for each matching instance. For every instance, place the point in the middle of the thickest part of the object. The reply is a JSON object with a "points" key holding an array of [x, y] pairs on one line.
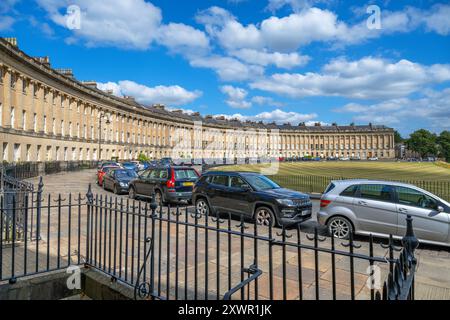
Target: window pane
{"points": [[376, 192], [236, 182], [411, 197], [185, 174], [349, 192], [220, 180]]}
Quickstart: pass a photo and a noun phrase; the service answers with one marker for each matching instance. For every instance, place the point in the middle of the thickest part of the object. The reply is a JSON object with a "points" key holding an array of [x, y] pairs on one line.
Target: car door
{"points": [[237, 199], [217, 191], [428, 223], [141, 183], [375, 208], [107, 179]]}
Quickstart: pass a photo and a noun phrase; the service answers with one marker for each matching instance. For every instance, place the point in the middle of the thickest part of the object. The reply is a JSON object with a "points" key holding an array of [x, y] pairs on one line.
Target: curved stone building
{"points": [[46, 115]]}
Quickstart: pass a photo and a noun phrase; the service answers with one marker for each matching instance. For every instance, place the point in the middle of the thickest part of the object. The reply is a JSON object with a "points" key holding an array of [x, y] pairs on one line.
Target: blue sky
{"points": [[272, 60]]}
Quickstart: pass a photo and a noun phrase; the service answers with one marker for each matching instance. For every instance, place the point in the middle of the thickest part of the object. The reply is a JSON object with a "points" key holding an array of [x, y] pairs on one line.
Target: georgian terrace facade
{"points": [[47, 115]]}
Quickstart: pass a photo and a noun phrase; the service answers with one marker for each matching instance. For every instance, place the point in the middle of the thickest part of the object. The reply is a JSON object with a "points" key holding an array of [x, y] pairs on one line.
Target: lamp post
{"points": [[101, 116]]}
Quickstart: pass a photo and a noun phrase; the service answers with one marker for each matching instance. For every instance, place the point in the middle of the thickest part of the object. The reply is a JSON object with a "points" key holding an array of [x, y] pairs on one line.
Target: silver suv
{"points": [[380, 208]]}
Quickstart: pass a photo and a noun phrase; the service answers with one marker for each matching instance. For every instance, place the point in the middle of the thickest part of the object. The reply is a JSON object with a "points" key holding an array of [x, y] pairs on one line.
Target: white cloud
{"points": [[296, 5], [432, 110], [435, 20], [236, 97], [228, 69], [181, 38], [367, 78], [277, 115], [266, 101], [310, 24], [168, 95], [220, 24], [6, 23], [264, 58], [129, 24]]}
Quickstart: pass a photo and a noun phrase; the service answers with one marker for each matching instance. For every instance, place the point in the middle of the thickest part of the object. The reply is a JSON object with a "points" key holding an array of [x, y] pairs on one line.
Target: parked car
{"points": [[380, 208], [107, 163], [118, 180], [130, 166], [373, 159], [166, 162], [170, 184], [344, 159], [104, 170], [252, 195]]}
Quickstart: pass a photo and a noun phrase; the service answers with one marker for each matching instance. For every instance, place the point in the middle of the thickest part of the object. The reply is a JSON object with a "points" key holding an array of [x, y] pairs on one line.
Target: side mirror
{"points": [[440, 209], [246, 188]]}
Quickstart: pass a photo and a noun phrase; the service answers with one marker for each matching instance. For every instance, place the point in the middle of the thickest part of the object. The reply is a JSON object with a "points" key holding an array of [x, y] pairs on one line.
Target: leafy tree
{"points": [[142, 157], [444, 143], [423, 142], [397, 137]]}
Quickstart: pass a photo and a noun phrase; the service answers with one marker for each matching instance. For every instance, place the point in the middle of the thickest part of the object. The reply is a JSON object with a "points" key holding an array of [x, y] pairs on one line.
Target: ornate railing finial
{"points": [[90, 195]]}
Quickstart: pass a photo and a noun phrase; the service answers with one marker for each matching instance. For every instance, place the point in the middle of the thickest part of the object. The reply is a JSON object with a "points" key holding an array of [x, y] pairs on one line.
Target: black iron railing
{"points": [[318, 184], [176, 253], [28, 170]]}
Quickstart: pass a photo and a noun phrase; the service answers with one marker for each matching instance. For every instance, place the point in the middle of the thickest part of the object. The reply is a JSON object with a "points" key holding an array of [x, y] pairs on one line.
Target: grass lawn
{"points": [[315, 176], [358, 169]]}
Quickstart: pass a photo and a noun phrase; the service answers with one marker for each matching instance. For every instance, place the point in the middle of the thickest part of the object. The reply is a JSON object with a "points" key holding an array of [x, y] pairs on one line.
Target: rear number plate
{"points": [[188, 184]]}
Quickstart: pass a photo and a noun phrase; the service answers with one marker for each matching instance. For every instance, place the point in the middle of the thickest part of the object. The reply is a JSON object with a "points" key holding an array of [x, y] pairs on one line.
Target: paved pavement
{"points": [[433, 273]]}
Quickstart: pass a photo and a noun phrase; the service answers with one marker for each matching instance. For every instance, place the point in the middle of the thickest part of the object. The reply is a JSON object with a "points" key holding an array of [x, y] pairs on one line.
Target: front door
{"points": [[239, 199], [428, 223]]}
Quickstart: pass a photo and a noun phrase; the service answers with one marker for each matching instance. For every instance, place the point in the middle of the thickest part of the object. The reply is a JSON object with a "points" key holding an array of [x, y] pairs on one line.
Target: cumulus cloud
{"points": [[128, 24], [311, 24], [181, 38], [236, 97], [367, 78], [432, 108], [277, 115], [436, 19], [132, 24], [266, 101], [168, 95], [228, 69]]}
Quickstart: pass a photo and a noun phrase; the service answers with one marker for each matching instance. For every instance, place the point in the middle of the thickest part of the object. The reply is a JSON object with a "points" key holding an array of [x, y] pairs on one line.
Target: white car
{"points": [[373, 159], [344, 159]]}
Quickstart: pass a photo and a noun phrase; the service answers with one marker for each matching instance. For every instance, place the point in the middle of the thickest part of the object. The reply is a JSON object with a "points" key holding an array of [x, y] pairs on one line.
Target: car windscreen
{"points": [[185, 174], [125, 174], [261, 182]]}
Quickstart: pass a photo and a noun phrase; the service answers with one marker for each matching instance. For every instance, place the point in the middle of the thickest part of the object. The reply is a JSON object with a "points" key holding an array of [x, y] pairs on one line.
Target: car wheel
{"points": [[116, 190], [202, 207], [132, 193], [104, 186], [340, 227], [265, 217]]}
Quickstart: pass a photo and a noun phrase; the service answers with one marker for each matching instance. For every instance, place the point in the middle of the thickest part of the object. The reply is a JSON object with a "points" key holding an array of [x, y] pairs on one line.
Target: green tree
{"points": [[444, 144], [397, 137], [423, 142], [142, 157]]}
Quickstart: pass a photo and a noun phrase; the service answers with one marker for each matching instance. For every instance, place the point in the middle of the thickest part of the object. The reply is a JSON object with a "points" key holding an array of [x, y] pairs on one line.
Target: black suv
{"points": [[170, 184], [252, 195]]}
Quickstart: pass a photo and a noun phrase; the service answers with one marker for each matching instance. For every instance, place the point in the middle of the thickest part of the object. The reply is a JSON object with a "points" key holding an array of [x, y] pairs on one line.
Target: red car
{"points": [[101, 172]]}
